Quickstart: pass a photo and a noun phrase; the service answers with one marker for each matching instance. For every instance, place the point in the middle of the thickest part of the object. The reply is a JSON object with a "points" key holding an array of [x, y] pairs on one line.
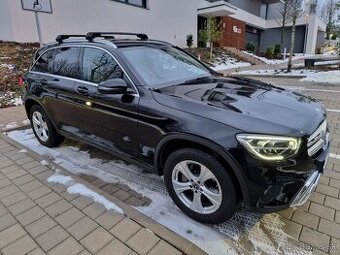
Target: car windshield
{"points": [[163, 66]]}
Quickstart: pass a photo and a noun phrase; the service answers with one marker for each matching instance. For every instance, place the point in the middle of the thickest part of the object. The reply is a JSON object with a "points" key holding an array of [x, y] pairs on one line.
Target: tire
{"points": [[50, 138], [219, 184]]}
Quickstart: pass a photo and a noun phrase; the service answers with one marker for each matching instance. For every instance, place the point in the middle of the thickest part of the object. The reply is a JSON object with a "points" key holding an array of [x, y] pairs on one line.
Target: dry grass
{"points": [[15, 58]]}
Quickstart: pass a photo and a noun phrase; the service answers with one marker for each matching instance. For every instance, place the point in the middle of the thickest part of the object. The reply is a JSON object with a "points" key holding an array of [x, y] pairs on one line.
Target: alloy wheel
{"points": [[40, 126], [197, 187]]}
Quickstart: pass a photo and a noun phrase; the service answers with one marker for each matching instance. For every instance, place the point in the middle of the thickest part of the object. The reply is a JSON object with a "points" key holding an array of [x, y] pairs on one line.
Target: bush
{"points": [[269, 52], [190, 40], [318, 50], [250, 47], [277, 50], [333, 37]]}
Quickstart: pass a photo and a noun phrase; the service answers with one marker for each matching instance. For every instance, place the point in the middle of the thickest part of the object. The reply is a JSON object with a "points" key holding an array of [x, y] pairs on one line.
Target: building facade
{"points": [[242, 21]]}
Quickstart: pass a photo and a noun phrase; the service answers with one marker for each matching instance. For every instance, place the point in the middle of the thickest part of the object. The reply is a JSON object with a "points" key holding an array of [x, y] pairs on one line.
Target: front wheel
{"points": [[200, 186]]}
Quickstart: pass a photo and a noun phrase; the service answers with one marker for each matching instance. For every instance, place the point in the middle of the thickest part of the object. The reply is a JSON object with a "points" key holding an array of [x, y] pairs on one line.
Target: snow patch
{"points": [[23, 151], [75, 188], [278, 61], [273, 72], [9, 66], [44, 163], [324, 77], [11, 125], [225, 62], [26, 122]]}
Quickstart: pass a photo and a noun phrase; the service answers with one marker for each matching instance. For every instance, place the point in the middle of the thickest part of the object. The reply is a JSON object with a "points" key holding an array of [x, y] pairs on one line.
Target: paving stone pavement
{"points": [[37, 217], [29, 219], [12, 117]]}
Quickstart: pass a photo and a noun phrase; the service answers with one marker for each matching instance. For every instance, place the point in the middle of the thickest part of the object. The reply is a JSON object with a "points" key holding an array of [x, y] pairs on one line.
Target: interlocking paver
{"points": [[334, 246], [315, 238], [27, 187], [143, 241], [23, 179], [82, 202], [4, 183], [96, 240], [118, 247], [48, 200], [109, 219], [21, 206], [11, 234], [69, 247], [332, 202], [164, 248], [6, 221], [30, 215], [69, 217], [125, 229], [305, 219], [94, 210], [327, 190], [291, 228], [52, 238], [82, 228], [58, 208], [39, 192], [330, 228], [20, 247], [6, 191], [15, 174], [40, 226], [317, 198], [13, 198], [322, 211]]}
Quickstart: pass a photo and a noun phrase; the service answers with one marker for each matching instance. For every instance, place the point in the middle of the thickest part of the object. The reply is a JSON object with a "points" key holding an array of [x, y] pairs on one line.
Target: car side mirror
{"points": [[112, 86]]}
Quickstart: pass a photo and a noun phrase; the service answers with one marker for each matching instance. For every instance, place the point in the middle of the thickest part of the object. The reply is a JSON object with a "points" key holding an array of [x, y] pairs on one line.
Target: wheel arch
{"points": [[174, 142], [30, 102]]}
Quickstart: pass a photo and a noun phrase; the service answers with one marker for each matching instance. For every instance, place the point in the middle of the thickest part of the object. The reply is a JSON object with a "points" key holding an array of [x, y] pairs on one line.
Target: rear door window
{"points": [[60, 61]]}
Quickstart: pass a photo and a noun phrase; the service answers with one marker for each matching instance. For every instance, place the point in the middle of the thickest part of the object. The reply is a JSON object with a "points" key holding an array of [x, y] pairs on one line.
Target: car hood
{"points": [[248, 105]]}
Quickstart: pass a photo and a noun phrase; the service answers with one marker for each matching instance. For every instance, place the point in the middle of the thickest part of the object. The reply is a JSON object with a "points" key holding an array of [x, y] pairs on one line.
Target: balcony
{"points": [[217, 8]]}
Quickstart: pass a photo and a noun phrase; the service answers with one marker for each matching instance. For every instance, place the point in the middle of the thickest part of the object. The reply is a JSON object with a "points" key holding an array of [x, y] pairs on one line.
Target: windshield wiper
{"points": [[196, 80]]}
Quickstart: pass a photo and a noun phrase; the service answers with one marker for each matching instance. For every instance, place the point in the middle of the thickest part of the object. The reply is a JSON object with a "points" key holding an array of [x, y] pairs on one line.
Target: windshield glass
{"points": [[161, 67]]}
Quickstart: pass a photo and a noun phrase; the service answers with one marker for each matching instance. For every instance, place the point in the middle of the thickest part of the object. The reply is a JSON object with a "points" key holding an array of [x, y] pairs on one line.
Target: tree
{"points": [[329, 11], [296, 12], [211, 33], [282, 19]]}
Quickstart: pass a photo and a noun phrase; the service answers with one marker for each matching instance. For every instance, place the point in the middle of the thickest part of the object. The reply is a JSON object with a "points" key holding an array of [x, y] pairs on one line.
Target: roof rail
{"points": [[61, 38], [91, 35]]}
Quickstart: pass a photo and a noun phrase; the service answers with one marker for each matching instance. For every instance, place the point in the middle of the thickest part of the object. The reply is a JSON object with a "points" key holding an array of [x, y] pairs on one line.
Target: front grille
{"points": [[318, 139]]}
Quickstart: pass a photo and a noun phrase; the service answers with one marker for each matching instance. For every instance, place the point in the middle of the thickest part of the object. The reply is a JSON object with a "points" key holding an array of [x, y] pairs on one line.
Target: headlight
{"points": [[273, 148]]}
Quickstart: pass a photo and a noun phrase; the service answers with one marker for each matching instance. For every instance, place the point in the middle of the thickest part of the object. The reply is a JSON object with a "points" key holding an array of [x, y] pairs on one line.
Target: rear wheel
{"points": [[200, 186], [43, 128]]}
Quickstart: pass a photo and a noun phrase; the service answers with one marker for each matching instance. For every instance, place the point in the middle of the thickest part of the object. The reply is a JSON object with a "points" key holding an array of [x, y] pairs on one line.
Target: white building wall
{"points": [[165, 20]]}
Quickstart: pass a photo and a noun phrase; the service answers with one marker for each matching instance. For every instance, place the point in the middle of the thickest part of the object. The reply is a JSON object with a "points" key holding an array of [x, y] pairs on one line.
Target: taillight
{"points": [[21, 81]]}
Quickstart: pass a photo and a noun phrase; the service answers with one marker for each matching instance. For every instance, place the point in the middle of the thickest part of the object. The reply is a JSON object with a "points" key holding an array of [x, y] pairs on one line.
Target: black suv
{"points": [[220, 142]]}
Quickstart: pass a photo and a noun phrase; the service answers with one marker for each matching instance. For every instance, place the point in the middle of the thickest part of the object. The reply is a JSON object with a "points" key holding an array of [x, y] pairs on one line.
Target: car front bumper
{"points": [[278, 186], [306, 190]]}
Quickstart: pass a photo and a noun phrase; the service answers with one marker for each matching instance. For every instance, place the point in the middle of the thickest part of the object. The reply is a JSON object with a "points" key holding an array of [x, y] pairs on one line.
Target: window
{"points": [[44, 62], [140, 3], [99, 66], [61, 61], [160, 67], [66, 62]]}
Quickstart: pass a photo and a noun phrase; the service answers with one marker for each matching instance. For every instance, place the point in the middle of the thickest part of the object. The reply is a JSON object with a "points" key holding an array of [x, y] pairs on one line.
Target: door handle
{"points": [[83, 90]]}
